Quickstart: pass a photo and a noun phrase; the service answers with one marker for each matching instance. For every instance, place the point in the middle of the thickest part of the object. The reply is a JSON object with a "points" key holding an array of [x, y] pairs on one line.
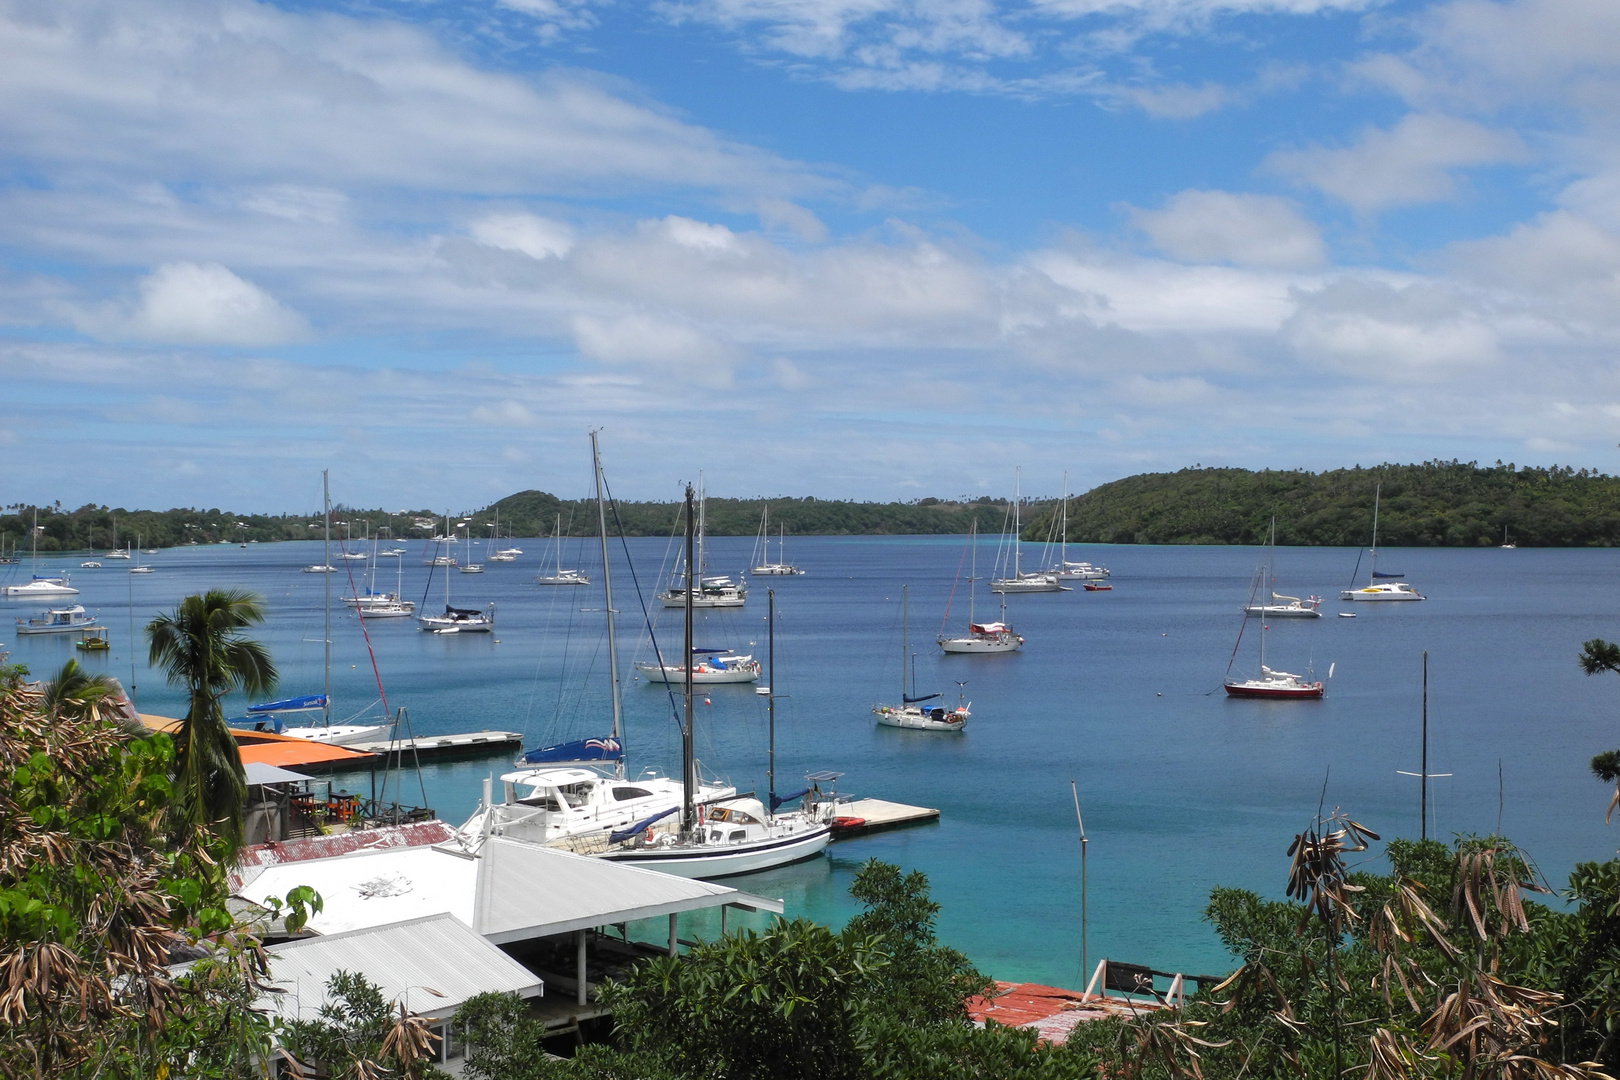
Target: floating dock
{"points": [[442, 747], [874, 815]]}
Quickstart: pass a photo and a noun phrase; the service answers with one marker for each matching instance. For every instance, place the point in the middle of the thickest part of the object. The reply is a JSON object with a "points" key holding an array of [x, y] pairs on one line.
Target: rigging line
{"points": [[433, 564], [348, 568], [947, 617], [1254, 588], [635, 580]]}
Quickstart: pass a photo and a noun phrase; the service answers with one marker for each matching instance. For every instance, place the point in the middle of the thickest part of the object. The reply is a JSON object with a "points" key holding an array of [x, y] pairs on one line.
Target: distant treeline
{"points": [[1435, 504]]}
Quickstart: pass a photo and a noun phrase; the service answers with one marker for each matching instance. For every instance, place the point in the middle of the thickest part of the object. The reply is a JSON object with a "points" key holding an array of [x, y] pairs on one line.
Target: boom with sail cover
{"points": [[307, 703], [607, 749]]}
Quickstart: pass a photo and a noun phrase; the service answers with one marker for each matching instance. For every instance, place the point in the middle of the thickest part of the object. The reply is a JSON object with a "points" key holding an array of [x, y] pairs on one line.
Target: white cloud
{"points": [[656, 342], [504, 414], [1377, 330], [1220, 226], [204, 304], [1411, 163], [536, 237]]}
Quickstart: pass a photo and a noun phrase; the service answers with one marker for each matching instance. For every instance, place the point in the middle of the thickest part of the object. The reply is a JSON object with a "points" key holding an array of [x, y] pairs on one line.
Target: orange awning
{"points": [[282, 751]]}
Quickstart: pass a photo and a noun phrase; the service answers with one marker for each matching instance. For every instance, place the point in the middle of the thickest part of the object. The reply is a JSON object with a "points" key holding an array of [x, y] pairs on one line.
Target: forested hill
{"points": [[1436, 504], [535, 513]]}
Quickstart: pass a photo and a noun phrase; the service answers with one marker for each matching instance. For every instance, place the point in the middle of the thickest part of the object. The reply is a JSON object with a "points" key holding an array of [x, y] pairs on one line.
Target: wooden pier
{"points": [[861, 816], [441, 747]]}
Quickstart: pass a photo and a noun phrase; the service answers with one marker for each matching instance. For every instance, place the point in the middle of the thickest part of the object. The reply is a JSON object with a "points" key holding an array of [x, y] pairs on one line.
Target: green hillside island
{"points": [[1435, 504]]}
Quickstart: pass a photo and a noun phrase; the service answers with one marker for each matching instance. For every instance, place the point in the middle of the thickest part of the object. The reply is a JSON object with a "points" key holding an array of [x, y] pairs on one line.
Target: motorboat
{"points": [[142, 569], [353, 556], [64, 620], [1273, 684], [94, 640], [709, 667], [914, 710], [1096, 586]]}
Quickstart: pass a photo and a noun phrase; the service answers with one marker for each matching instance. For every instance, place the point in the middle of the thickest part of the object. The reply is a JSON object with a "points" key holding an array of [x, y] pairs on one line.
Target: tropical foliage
{"points": [[1436, 504], [201, 647], [360, 1034]]}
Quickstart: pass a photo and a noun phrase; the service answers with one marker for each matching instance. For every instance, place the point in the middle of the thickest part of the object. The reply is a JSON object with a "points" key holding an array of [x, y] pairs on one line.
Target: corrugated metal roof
{"points": [[403, 960], [259, 773], [526, 891], [252, 861], [373, 888]]}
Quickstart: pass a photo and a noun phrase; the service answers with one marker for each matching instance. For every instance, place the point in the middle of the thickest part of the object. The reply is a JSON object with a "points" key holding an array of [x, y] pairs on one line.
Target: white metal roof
{"points": [[432, 965], [371, 888], [512, 892], [527, 891], [258, 772]]}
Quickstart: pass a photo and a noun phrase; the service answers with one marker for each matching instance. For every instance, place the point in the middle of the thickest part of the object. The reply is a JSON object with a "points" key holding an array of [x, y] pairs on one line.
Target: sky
{"points": [[859, 249]]}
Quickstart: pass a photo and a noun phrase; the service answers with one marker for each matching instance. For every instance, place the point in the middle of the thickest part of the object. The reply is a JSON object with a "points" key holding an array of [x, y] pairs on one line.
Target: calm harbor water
{"points": [[1119, 691]]}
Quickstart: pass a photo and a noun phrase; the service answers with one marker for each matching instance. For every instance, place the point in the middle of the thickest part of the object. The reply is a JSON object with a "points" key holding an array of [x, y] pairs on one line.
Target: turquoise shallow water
{"points": [[1119, 691]]}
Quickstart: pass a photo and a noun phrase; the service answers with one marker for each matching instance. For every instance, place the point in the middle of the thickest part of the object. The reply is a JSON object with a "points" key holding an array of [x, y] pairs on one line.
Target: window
{"points": [[738, 835], [625, 794]]}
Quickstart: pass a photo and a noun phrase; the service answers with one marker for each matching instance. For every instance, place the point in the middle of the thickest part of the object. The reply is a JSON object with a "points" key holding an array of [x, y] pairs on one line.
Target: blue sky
{"points": [[849, 248]]}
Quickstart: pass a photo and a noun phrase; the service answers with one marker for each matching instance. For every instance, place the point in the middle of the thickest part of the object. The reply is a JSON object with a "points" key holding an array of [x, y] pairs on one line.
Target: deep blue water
{"points": [[1181, 788]]}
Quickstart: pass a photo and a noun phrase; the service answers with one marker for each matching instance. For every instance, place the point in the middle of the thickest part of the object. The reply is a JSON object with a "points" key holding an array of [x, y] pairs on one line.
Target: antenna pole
{"points": [[607, 588], [1423, 799], [1081, 823], [326, 574]]}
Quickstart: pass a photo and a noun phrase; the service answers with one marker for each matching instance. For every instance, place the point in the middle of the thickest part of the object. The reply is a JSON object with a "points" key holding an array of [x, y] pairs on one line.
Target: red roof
{"points": [[1051, 1011]]}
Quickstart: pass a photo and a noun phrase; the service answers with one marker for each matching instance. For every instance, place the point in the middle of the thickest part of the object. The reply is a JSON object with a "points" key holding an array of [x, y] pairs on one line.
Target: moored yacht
{"points": [[41, 586], [65, 620], [1273, 684], [709, 666]]}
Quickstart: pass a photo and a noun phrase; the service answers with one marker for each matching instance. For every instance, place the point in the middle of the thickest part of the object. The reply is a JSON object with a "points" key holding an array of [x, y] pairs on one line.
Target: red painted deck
{"points": [[1051, 1011]]}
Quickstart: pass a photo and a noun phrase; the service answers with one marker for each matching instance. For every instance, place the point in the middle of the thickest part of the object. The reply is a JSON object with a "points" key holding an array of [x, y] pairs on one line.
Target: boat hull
{"points": [[776, 571], [1380, 595], [675, 600], [915, 719], [1028, 585], [975, 644], [37, 588], [671, 673], [1258, 690], [1282, 611], [562, 579], [743, 858], [59, 628], [339, 734]]}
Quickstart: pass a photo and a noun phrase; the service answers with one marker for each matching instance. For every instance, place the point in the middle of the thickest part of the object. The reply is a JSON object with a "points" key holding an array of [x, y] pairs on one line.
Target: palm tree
{"points": [[77, 694], [201, 647]]}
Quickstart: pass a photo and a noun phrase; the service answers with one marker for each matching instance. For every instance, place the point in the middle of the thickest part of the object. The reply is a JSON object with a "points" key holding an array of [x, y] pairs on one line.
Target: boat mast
{"points": [[1063, 541], [326, 575], [770, 693], [904, 645], [688, 765], [607, 591], [1018, 497], [973, 573], [1372, 575]]}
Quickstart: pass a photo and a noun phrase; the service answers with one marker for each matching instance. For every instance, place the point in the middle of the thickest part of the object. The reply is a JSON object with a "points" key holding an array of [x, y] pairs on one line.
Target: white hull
{"points": [[1283, 611], [472, 568], [728, 600], [910, 716], [776, 570], [116, 555], [388, 611], [996, 643], [498, 557], [1080, 572], [320, 569], [58, 621], [339, 734], [1382, 592], [1029, 583], [40, 588], [140, 570], [718, 860], [702, 675], [567, 577], [458, 622]]}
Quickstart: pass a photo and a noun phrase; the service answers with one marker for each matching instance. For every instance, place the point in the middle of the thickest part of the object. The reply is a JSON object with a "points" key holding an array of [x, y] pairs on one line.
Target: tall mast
{"points": [[688, 764], [1063, 542], [1018, 497], [973, 571], [607, 591], [770, 692], [326, 575], [1372, 578], [702, 528], [904, 645]]}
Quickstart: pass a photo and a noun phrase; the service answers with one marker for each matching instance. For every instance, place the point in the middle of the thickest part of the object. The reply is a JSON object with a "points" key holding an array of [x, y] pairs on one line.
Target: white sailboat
{"points": [[116, 552], [910, 713], [710, 590], [382, 605], [995, 637], [575, 794], [507, 554], [41, 586], [735, 836], [558, 575], [709, 667], [1280, 606], [1020, 582], [765, 568], [1066, 570], [457, 620], [269, 713], [1376, 589]]}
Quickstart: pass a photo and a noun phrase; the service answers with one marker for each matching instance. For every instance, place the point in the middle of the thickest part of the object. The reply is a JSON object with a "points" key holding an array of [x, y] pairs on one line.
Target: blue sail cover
{"points": [[1380, 573], [624, 834], [914, 700], [578, 750], [308, 703]]}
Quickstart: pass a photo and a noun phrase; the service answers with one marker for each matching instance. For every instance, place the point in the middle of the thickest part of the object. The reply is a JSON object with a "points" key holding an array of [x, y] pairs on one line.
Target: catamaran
{"points": [[1376, 589]]}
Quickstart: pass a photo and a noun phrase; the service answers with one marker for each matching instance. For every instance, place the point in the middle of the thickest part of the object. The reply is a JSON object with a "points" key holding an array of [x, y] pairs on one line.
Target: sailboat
{"points": [[577, 797], [993, 637], [42, 585], [910, 712], [269, 713], [1021, 582], [139, 567], [382, 605], [1376, 589], [509, 554], [735, 836], [1269, 683], [559, 576], [1282, 607], [116, 552], [780, 568], [1507, 545], [470, 567], [1072, 571], [711, 591], [457, 620]]}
